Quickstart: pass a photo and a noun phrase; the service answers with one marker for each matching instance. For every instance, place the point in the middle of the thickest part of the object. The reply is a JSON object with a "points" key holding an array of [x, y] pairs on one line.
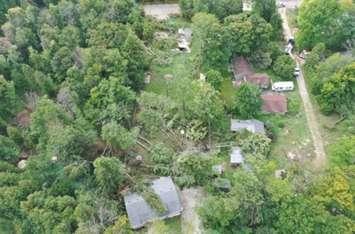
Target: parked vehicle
{"points": [[291, 41], [297, 71], [283, 86], [288, 48]]}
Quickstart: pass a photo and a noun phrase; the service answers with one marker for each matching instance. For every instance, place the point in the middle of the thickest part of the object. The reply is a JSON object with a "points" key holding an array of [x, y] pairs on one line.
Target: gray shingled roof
{"points": [[236, 156], [139, 211], [252, 125]]}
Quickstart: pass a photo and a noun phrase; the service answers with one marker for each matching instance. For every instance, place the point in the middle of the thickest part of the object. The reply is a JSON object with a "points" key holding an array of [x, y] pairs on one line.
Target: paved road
{"points": [[320, 159]]}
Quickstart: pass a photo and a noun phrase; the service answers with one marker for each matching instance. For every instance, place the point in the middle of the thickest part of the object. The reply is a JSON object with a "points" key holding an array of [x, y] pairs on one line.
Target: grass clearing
{"points": [[291, 131], [228, 92]]}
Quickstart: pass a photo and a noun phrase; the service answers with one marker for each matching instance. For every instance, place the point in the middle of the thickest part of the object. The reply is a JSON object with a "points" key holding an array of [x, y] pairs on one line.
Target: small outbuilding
{"points": [[252, 125], [236, 157], [274, 103], [140, 212], [218, 169]]}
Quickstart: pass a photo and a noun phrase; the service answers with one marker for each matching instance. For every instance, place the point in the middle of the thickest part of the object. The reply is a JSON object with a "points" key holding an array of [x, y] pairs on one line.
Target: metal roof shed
{"points": [[236, 156], [252, 125], [140, 212]]}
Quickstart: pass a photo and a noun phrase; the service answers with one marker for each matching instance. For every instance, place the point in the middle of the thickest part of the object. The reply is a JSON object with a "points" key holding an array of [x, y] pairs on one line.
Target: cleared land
{"points": [[161, 11]]}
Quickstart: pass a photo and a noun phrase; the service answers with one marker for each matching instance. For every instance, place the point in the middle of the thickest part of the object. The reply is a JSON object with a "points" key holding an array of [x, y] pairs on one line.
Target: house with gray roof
{"points": [[252, 125], [140, 212], [236, 157]]}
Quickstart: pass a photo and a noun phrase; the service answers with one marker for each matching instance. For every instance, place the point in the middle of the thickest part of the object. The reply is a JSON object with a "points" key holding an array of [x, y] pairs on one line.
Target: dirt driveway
{"points": [[190, 220], [320, 159]]}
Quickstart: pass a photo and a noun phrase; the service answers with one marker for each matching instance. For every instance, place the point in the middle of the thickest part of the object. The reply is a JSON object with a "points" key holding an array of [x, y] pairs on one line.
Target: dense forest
{"points": [[79, 127]]}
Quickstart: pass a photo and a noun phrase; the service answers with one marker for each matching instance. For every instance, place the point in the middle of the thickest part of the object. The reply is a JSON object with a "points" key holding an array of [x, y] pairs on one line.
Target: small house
{"points": [[241, 68], [274, 103], [252, 125], [236, 157], [283, 86], [260, 80], [243, 73], [140, 212]]}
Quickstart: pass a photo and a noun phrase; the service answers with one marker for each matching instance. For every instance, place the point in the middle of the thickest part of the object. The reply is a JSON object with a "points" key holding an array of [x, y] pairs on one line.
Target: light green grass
{"points": [[179, 67], [173, 225], [228, 92]]}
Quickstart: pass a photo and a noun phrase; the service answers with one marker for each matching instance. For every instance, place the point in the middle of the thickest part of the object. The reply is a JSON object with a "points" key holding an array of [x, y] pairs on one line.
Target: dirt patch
{"points": [[190, 221]]}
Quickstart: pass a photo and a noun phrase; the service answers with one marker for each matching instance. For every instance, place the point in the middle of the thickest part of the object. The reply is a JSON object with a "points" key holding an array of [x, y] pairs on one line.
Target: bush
{"points": [[293, 106], [193, 169], [342, 153], [247, 101], [284, 67], [9, 151]]}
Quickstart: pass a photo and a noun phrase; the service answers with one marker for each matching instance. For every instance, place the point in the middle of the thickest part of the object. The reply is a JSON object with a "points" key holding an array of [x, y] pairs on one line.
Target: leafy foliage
{"points": [[247, 101], [284, 67], [326, 22], [109, 174]]}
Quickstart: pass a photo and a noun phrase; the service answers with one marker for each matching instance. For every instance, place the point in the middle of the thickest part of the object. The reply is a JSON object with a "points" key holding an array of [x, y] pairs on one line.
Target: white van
{"points": [[283, 86]]}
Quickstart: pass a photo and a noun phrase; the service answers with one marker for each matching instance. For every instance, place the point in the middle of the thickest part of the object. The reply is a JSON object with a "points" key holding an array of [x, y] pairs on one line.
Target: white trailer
{"points": [[283, 86]]}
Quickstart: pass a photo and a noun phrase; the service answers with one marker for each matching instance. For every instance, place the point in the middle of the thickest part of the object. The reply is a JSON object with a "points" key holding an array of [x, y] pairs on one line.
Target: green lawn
{"points": [[228, 92], [179, 67]]}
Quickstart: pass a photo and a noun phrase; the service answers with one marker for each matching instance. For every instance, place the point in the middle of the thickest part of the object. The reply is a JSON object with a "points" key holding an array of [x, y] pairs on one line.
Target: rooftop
{"points": [[261, 80], [140, 212], [252, 125], [236, 156], [241, 67], [274, 103]]}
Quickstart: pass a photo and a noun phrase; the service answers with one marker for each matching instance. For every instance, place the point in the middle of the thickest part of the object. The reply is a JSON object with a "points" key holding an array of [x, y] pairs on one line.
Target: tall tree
{"points": [[247, 101], [324, 21], [109, 174]]}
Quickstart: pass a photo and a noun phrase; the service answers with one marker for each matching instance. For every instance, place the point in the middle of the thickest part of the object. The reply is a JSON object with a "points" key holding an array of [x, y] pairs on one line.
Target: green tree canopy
{"points": [[247, 101], [109, 174]]}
